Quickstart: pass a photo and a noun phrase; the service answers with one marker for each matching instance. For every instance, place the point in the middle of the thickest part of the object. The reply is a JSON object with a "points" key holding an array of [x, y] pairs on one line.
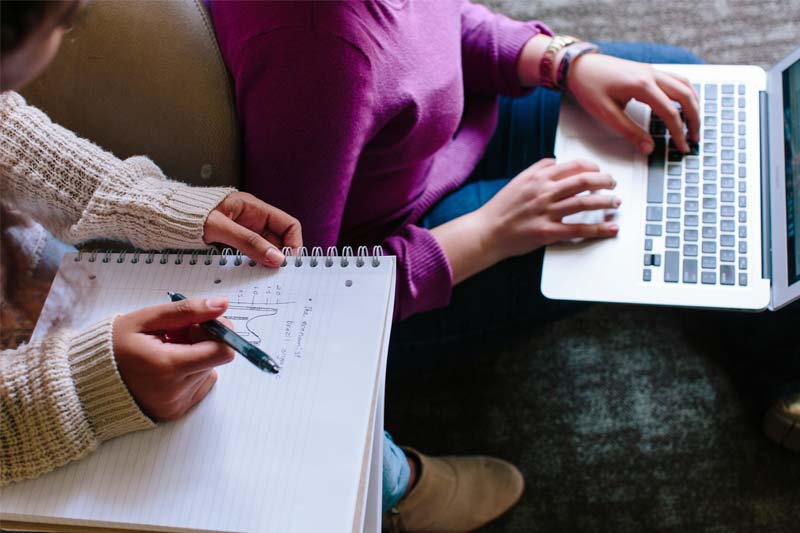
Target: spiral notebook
{"points": [[299, 451]]}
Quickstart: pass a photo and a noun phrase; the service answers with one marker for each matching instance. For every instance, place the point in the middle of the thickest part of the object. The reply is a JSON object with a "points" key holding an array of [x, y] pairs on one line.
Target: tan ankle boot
{"points": [[782, 423], [456, 494]]}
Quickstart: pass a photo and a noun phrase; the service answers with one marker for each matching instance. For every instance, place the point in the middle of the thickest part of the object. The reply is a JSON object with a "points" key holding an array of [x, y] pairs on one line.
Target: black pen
{"points": [[232, 339]]}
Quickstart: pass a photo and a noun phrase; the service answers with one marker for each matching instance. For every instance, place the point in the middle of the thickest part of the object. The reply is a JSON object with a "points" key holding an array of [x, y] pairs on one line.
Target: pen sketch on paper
{"points": [[258, 312]]}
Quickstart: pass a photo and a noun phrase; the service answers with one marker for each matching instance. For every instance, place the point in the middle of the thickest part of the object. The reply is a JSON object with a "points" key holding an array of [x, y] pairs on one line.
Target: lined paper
{"points": [[262, 452]]}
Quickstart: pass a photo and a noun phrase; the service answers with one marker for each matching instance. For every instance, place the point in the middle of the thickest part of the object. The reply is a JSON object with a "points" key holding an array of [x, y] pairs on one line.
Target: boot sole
{"points": [[782, 428]]}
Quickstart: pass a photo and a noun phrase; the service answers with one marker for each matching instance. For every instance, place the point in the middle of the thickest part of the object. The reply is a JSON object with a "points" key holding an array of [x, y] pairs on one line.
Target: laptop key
{"points": [[711, 91], [709, 261], [673, 226], [709, 161], [727, 168], [742, 216], [655, 172], [727, 127], [673, 212], [742, 263], [709, 174], [648, 244], [727, 197], [692, 192], [742, 247], [742, 186], [742, 158], [710, 121], [727, 183], [709, 217], [727, 142], [742, 201], [708, 278], [652, 230], [727, 240], [710, 188], [742, 102], [709, 135], [692, 163], [674, 170], [742, 232], [710, 107], [726, 274], [727, 101], [690, 235], [672, 241], [709, 202], [690, 271], [742, 116], [741, 89], [671, 266], [654, 213], [742, 279], [727, 256], [709, 232], [742, 172], [674, 198], [742, 129], [692, 177], [690, 221], [727, 225], [648, 259], [647, 275], [673, 184], [691, 206], [657, 260], [727, 155], [727, 88], [690, 250], [709, 247], [727, 114], [742, 143]]}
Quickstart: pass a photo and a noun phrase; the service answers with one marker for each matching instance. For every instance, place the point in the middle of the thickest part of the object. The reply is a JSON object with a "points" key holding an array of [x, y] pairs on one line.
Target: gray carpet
{"points": [[623, 418]]}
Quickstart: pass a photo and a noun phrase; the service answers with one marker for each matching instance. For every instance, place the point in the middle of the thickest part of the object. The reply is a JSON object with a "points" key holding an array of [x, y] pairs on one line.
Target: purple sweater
{"points": [[358, 117]]}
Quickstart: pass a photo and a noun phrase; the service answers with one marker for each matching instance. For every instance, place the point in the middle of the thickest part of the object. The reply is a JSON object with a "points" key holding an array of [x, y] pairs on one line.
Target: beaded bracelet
{"points": [[572, 53], [546, 63]]}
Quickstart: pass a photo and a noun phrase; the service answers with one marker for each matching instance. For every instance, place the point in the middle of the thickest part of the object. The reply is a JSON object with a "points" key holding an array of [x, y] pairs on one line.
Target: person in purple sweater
{"points": [[378, 122]]}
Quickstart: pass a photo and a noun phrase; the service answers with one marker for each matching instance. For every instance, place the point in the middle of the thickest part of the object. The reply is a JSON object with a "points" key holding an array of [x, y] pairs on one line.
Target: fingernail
{"points": [[217, 303], [646, 147], [617, 202], [275, 256], [613, 227]]}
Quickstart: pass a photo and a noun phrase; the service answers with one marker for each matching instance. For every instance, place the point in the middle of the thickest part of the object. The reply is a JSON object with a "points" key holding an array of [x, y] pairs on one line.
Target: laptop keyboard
{"points": [[696, 211]]}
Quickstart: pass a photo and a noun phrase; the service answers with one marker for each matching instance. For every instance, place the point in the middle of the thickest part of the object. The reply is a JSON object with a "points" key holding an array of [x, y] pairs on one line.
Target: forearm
{"points": [[59, 398], [467, 245], [80, 192]]}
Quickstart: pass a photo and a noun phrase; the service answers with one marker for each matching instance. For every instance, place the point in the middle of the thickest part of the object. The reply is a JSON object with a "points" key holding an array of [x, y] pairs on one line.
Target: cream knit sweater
{"points": [[61, 397]]}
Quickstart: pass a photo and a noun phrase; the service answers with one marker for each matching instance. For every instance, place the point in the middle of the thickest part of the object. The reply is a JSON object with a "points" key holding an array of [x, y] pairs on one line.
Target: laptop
{"points": [[717, 228]]}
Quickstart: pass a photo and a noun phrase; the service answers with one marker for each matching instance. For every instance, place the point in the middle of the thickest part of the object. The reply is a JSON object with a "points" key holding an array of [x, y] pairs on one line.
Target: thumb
{"points": [[622, 124], [223, 229], [177, 315]]}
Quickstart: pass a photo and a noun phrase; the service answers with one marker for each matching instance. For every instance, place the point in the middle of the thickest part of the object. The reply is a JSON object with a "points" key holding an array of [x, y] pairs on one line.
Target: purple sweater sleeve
{"points": [[304, 129], [490, 46]]}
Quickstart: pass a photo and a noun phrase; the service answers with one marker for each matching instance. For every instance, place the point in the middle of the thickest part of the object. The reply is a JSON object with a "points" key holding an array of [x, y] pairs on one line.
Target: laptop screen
{"points": [[791, 128]]}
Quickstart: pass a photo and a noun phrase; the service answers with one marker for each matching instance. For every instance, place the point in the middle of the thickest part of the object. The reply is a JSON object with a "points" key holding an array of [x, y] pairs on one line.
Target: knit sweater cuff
{"points": [[513, 39], [424, 276], [109, 406], [177, 212]]}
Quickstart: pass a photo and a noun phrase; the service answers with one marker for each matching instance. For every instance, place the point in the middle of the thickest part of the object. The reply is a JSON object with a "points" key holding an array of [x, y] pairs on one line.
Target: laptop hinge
{"points": [[766, 230]]}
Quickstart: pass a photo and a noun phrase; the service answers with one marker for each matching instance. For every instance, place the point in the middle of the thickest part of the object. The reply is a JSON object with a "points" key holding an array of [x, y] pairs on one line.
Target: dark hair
{"points": [[20, 18]]}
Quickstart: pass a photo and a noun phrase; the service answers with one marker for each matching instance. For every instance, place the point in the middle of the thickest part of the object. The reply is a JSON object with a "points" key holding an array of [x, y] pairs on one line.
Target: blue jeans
{"points": [[525, 133]]}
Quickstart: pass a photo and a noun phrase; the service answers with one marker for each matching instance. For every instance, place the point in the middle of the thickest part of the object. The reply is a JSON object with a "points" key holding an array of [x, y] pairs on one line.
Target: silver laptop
{"points": [[718, 228]]}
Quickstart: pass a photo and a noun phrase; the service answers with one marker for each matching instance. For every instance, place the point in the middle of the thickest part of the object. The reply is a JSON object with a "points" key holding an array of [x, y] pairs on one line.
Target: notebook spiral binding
{"points": [[360, 258]]}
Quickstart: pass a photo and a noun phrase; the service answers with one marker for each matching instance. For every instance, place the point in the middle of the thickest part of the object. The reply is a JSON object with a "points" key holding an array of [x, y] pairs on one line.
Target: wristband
{"points": [[546, 63], [571, 54]]}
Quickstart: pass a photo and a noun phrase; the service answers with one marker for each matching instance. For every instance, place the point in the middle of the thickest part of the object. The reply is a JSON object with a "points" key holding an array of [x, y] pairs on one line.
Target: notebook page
{"points": [[262, 452]]}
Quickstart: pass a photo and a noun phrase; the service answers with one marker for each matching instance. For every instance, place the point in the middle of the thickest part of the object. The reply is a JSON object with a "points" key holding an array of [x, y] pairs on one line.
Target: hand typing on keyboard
{"points": [[603, 85]]}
